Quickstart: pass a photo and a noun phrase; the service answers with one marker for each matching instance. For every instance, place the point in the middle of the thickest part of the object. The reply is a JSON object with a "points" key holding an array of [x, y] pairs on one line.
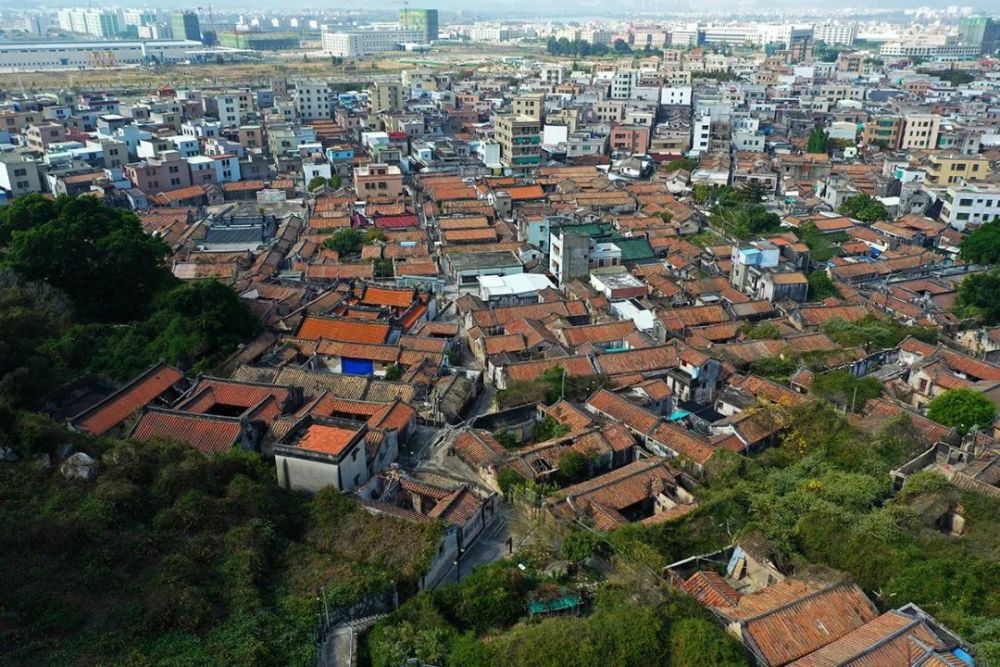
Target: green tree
{"points": [[963, 409], [100, 257], [760, 331], [621, 46], [573, 467], [977, 297], [821, 287], [686, 163], [581, 544], [30, 315], [549, 428], [393, 372], [697, 642], [844, 389], [863, 207], [508, 479], [316, 182], [817, 140], [346, 242], [982, 246]]}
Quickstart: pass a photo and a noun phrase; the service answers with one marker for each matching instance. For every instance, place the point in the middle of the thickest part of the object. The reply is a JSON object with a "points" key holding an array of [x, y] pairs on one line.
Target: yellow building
{"points": [[951, 168]]}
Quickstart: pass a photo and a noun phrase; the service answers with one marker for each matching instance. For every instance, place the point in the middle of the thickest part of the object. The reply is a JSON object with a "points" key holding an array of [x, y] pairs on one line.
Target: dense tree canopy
{"points": [[977, 297], [99, 256], [172, 558], [963, 409], [863, 207], [982, 246], [83, 288], [820, 286]]}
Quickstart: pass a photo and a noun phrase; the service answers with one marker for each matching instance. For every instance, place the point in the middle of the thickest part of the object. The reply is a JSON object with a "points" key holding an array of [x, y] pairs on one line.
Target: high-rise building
{"points": [[836, 33], [425, 20], [96, 22], [520, 142], [982, 31], [185, 26]]}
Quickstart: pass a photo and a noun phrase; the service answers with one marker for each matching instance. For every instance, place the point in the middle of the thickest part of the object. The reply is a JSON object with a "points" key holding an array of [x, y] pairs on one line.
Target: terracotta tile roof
{"points": [[463, 222], [504, 343], [335, 271], [314, 328], [491, 317], [469, 235], [620, 409], [684, 442], [771, 391], [396, 415], [212, 392], [818, 315], [207, 433], [679, 318], [423, 343], [386, 354], [619, 488], [137, 394], [479, 447], [879, 412], [710, 589], [532, 370], [644, 360], [891, 640], [792, 618], [326, 439], [568, 414], [384, 296], [597, 333], [457, 508]]}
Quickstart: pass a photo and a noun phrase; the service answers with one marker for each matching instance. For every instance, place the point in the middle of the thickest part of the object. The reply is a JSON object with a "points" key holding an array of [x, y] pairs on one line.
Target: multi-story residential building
{"points": [[40, 137], [633, 139], [531, 106], [520, 142], [19, 174], [386, 96], [949, 169], [609, 111], [623, 83], [169, 172], [234, 107], [919, 131], [882, 131], [965, 205], [313, 100], [836, 33], [378, 180], [701, 134], [97, 22]]}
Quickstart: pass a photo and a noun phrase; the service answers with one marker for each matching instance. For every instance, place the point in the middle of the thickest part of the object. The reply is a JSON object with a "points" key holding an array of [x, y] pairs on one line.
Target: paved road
{"points": [[490, 546]]}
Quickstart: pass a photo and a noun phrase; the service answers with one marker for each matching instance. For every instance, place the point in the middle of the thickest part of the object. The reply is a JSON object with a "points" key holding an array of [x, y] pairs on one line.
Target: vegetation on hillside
{"points": [[172, 558], [84, 289]]}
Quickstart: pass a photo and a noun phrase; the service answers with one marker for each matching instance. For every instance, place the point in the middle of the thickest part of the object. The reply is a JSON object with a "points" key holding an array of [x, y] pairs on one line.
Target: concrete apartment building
{"points": [[313, 100], [520, 142], [39, 137], [632, 139], [949, 169], [531, 106], [169, 172], [19, 174], [919, 131], [357, 43], [965, 205], [378, 180], [386, 96]]}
